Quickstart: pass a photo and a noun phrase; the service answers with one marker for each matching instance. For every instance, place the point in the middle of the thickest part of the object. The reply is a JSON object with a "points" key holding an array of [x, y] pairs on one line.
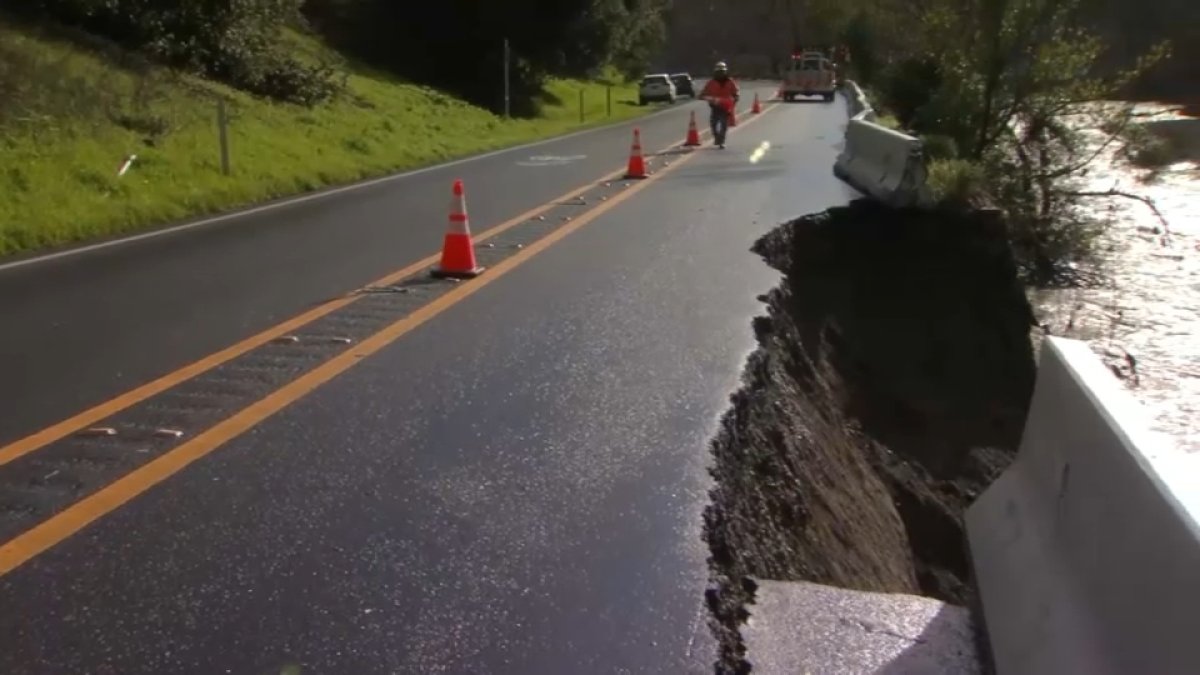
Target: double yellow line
{"points": [[79, 515]]}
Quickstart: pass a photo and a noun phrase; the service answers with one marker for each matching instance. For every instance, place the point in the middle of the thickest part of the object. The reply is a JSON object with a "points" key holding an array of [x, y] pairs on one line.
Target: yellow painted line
{"points": [[71, 425], [79, 515]]}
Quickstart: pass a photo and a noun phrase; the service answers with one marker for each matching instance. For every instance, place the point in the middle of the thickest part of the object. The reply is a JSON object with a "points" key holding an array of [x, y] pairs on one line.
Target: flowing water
{"points": [[1144, 321]]}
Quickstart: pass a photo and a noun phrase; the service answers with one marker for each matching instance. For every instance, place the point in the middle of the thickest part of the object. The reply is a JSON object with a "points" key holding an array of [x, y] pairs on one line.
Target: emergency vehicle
{"points": [[811, 72]]}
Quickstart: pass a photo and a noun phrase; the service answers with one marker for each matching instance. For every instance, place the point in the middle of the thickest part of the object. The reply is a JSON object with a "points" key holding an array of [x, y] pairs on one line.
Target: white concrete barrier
{"points": [[1087, 549], [856, 101], [884, 164]]}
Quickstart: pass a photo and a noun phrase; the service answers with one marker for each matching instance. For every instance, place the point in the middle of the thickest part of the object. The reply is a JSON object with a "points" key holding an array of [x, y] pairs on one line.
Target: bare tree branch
{"points": [[1080, 165], [1113, 192]]}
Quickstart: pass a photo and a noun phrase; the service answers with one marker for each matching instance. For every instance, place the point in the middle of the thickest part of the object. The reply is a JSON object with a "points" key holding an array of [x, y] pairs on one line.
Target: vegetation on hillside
{"points": [[459, 44], [455, 45], [316, 92]]}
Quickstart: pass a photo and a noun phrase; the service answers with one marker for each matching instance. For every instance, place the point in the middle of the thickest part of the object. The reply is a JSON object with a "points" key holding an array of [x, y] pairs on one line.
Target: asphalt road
{"points": [[515, 486], [80, 330]]}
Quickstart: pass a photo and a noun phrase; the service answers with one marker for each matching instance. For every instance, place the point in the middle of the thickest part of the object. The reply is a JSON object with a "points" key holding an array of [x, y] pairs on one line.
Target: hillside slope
{"points": [[73, 108]]}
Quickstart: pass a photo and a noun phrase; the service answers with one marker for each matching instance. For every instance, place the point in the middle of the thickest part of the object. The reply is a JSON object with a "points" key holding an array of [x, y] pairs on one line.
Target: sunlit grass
{"points": [[76, 116]]}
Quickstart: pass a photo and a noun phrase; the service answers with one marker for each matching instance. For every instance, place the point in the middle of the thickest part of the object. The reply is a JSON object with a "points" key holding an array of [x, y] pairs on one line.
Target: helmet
{"points": [[721, 67]]}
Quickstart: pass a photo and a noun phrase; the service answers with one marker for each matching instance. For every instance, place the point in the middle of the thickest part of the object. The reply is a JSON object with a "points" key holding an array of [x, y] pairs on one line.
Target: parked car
{"points": [[684, 85], [657, 87]]}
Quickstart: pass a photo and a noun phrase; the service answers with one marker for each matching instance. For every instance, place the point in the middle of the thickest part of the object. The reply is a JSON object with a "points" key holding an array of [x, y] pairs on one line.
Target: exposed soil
{"points": [[890, 387]]}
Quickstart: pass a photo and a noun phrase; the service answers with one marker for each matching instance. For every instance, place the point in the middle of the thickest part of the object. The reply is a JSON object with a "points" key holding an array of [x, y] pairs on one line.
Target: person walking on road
{"points": [[722, 95]]}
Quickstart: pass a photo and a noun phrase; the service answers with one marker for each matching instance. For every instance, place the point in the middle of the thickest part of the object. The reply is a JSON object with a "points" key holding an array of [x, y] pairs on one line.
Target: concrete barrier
{"points": [[856, 101], [884, 164], [1087, 550]]}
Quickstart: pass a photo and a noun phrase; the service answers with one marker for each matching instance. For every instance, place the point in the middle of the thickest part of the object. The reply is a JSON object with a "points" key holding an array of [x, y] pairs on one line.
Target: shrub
{"points": [[956, 183], [939, 147], [279, 77], [1154, 153], [1145, 149], [907, 87], [232, 40]]}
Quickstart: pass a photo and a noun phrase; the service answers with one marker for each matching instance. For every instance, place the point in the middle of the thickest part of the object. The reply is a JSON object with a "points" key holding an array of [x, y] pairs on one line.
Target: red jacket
{"points": [[726, 91]]}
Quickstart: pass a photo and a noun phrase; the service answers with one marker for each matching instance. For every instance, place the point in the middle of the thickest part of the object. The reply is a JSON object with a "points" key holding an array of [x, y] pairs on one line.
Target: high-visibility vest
{"points": [[724, 90]]}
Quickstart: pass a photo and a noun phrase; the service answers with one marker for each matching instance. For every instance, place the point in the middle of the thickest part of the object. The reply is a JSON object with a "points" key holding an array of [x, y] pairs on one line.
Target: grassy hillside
{"points": [[72, 110]]}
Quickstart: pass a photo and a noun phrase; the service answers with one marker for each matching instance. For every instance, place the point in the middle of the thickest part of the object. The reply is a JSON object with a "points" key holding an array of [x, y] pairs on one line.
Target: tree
{"points": [[547, 37], [454, 44], [1004, 89]]}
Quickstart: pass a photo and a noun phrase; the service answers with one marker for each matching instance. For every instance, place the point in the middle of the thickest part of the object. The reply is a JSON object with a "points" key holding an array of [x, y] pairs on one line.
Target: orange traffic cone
{"points": [[637, 163], [458, 251], [757, 107], [693, 134]]}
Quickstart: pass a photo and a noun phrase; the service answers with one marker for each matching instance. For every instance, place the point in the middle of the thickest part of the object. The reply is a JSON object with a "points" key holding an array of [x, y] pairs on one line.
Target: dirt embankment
{"points": [[890, 387]]}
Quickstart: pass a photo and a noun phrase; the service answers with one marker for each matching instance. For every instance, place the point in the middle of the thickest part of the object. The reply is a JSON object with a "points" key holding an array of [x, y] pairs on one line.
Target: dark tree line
{"points": [[454, 44], [748, 32], [459, 44], [1130, 27]]}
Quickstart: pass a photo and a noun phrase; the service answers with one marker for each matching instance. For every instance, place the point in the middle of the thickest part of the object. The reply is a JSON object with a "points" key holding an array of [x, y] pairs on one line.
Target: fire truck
{"points": [[813, 71]]}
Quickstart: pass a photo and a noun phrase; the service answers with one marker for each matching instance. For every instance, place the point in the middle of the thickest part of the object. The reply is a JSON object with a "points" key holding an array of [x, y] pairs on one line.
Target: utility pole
{"points": [[507, 94]]}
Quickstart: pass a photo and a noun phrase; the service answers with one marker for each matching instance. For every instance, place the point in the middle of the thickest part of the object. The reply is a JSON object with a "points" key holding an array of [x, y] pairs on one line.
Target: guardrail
{"points": [[882, 163], [1087, 549]]}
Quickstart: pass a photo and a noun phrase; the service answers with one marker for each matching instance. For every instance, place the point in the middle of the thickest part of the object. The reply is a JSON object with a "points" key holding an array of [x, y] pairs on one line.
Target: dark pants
{"points": [[719, 122]]}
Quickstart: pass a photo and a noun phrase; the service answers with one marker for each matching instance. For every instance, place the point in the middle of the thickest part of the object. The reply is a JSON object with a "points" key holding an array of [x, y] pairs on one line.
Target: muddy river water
{"points": [[1144, 321]]}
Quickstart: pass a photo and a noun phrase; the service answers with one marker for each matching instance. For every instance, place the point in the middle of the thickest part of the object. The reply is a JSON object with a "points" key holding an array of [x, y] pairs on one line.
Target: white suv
{"points": [[656, 88]]}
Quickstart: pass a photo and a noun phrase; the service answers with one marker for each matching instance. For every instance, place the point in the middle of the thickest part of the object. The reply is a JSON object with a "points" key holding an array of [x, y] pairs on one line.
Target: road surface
{"points": [[509, 480], [81, 330]]}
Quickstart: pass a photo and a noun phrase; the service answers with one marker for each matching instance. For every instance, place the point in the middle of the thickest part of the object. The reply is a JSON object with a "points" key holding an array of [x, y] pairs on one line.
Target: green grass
{"points": [[69, 116]]}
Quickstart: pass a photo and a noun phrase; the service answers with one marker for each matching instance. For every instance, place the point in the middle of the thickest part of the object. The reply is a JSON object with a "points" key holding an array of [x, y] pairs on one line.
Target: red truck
{"points": [[810, 73]]}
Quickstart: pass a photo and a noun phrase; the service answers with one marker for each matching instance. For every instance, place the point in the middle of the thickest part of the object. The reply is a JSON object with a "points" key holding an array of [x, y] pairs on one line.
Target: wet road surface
{"points": [[80, 330], [514, 486]]}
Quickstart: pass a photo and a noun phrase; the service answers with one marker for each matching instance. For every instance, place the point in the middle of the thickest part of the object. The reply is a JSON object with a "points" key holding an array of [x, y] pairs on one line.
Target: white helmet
{"points": [[721, 66]]}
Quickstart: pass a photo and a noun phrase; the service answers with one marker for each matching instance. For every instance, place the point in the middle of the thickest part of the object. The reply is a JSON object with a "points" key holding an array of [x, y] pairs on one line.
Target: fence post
{"points": [[223, 135], [507, 83]]}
